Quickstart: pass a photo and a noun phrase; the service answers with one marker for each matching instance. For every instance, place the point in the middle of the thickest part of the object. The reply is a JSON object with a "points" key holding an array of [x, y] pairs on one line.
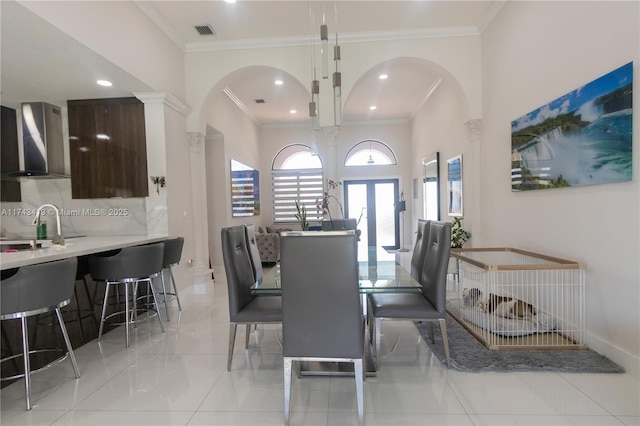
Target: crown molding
{"points": [[213, 46], [162, 23], [164, 98]]}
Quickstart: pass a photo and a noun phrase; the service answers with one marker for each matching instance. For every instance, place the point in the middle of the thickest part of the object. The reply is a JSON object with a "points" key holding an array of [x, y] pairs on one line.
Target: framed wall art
{"points": [[454, 185], [245, 190], [431, 186], [581, 138]]}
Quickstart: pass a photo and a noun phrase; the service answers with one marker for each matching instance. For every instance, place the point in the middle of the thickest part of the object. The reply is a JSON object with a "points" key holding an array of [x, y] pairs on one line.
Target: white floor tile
{"points": [[521, 393], [179, 378], [125, 418]]}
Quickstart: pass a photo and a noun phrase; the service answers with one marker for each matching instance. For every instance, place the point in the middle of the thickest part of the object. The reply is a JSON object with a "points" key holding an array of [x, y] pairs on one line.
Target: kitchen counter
{"points": [[74, 247]]}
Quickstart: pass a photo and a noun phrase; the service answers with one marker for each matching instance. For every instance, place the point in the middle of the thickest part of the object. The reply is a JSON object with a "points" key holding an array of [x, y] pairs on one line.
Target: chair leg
{"points": [[232, 340], [358, 368], [430, 330], [287, 388], [376, 347], [164, 295], [27, 364], [247, 336], [105, 302], [445, 340], [175, 289], [127, 320], [68, 343], [155, 301]]}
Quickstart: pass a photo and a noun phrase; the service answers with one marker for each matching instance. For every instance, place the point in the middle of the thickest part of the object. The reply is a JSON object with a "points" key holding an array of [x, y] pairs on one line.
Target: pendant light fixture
{"points": [[337, 86], [314, 105], [370, 160]]}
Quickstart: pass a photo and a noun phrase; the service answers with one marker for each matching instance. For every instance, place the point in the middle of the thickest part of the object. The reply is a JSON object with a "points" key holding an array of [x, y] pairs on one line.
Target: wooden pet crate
{"points": [[514, 299]]}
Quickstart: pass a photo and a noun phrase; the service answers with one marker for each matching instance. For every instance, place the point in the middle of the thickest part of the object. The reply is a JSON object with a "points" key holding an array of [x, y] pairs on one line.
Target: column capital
{"points": [[164, 98], [473, 129], [330, 134], [196, 140]]}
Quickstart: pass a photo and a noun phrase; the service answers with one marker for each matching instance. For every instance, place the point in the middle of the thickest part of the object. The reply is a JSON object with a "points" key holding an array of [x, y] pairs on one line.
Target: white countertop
{"points": [[73, 247]]}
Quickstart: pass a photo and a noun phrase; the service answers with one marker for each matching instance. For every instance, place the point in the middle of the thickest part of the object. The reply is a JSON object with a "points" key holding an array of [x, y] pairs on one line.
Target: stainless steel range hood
{"points": [[43, 144]]}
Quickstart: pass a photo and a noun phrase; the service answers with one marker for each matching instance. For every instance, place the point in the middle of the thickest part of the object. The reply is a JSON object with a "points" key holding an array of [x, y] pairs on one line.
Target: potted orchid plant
{"points": [[324, 208]]}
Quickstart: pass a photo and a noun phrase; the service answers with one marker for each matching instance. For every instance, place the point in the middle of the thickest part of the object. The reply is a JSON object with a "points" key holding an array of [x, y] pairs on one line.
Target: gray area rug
{"points": [[468, 354]]}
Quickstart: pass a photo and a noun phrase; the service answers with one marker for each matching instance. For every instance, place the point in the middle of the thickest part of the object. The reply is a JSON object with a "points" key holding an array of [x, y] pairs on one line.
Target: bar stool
{"points": [[78, 313], [126, 267], [172, 254], [34, 290]]}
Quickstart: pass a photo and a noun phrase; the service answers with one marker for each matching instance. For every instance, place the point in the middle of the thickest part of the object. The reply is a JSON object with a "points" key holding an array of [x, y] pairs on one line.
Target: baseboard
{"points": [[630, 362]]}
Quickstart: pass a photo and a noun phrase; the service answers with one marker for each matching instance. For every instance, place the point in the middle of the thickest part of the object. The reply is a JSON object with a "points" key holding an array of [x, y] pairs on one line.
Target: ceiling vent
{"points": [[205, 30], [260, 101]]}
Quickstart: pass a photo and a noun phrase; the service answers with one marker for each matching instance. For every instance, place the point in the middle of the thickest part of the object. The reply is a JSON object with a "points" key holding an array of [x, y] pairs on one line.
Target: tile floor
{"points": [[180, 378]]}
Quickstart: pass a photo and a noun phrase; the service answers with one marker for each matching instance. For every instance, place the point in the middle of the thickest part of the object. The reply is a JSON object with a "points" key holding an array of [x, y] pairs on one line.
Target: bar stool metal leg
{"points": [[103, 316], [27, 362], [175, 290], [72, 356]]}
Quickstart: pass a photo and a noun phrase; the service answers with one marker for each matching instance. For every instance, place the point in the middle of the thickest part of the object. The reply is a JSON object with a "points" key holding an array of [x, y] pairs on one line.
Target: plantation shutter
{"points": [[289, 186]]}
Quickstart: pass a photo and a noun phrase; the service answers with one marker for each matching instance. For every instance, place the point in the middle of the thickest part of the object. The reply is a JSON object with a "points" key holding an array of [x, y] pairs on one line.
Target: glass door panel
{"points": [[373, 203]]}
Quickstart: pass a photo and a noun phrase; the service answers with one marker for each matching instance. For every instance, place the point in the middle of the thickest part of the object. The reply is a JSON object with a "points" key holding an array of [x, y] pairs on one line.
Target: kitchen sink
{"points": [[19, 247]]}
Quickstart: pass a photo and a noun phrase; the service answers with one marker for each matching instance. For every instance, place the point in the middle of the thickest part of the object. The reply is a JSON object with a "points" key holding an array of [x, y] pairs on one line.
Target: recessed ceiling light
{"points": [[104, 83], [279, 82], [372, 107], [293, 111], [383, 76], [229, 1]]}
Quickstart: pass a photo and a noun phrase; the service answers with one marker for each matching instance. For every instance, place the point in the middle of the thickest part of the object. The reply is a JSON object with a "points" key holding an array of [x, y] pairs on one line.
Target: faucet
{"points": [[58, 238]]}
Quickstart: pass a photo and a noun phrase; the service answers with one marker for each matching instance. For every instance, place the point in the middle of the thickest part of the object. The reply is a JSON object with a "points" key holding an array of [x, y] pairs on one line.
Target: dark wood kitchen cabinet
{"points": [[108, 150], [9, 190]]}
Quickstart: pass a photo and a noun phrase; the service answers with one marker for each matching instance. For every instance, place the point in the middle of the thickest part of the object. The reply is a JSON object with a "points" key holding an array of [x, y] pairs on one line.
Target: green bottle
{"points": [[41, 231]]}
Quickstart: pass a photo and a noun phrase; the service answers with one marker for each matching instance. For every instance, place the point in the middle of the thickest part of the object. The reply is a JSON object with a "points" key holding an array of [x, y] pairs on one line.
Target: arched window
{"points": [[369, 153], [296, 175]]}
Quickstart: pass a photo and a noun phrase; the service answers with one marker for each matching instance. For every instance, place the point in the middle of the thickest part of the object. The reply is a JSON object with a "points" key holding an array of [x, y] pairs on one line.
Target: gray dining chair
{"points": [[244, 308], [33, 290], [322, 318], [254, 253], [420, 248], [430, 305]]}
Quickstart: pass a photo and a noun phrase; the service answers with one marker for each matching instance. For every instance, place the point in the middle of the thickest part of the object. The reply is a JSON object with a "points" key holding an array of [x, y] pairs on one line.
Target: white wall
{"points": [[439, 127], [123, 34], [533, 53], [457, 59], [238, 137]]}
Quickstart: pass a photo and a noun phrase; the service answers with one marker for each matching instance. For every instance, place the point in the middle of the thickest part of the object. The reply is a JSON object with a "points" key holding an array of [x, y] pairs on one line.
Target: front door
{"points": [[373, 203]]}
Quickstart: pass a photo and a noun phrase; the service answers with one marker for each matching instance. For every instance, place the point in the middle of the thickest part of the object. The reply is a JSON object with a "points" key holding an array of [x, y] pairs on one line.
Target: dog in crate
{"points": [[509, 307], [471, 297], [502, 306]]}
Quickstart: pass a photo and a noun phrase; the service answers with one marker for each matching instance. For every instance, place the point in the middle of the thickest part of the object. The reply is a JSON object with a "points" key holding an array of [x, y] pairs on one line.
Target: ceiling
{"points": [[39, 62]]}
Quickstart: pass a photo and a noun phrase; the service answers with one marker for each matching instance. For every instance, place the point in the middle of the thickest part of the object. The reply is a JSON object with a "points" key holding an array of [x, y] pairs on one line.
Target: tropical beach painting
{"points": [[581, 138]]}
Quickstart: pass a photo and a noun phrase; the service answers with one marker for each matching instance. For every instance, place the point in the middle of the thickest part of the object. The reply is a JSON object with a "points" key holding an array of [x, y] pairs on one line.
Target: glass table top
{"points": [[379, 273]]}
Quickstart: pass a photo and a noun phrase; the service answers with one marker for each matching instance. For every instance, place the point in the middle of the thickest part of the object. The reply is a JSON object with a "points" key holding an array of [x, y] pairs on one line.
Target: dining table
{"points": [[379, 272]]}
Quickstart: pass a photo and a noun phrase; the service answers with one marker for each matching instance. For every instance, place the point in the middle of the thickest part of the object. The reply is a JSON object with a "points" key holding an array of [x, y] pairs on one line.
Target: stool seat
{"points": [[33, 290], [127, 267]]}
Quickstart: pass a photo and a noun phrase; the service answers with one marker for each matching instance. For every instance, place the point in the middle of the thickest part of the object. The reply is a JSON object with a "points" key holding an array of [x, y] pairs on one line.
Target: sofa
{"points": [[269, 243]]}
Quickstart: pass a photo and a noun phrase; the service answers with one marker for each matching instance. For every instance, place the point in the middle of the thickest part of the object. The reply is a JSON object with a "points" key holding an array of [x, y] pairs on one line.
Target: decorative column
{"points": [[330, 134], [473, 134], [155, 129], [200, 224]]}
